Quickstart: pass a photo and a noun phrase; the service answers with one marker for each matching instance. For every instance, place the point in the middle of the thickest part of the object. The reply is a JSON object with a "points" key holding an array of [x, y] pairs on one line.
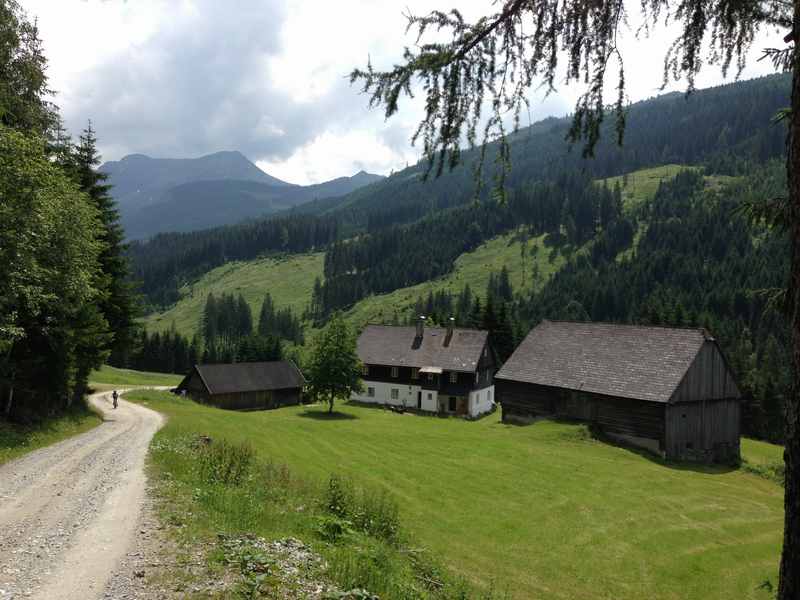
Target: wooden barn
{"points": [[245, 386], [666, 389]]}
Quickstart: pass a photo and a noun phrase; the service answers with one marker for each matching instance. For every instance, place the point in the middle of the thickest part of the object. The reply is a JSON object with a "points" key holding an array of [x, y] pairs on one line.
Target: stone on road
{"points": [[68, 512]]}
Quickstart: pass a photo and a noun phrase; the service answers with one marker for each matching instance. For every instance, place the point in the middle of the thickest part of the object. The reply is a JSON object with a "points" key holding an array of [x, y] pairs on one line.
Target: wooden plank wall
{"points": [[708, 378], [523, 401], [705, 431]]}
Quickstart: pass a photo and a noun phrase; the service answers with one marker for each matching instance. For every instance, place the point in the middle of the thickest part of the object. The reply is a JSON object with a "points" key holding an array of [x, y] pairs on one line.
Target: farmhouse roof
{"points": [[250, 376], [627, 361], [400, 347]]}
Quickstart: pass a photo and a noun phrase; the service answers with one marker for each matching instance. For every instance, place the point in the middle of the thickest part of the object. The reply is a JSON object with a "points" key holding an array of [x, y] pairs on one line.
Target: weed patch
{"points": [[772, 471], [222, 462]]}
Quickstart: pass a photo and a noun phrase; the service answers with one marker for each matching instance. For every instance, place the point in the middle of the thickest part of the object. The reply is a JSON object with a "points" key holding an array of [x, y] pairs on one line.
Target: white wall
{"points": [[481, 401], [406, 394]]}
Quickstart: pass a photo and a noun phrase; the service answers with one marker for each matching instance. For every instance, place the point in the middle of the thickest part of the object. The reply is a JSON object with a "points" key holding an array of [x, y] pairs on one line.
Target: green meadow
{"points": [[290, 282], [107, 376], [542, 511]]}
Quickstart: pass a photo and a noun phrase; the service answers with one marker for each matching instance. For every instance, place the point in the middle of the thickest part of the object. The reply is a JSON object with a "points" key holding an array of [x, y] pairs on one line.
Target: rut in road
{"points": [[68, 512]]}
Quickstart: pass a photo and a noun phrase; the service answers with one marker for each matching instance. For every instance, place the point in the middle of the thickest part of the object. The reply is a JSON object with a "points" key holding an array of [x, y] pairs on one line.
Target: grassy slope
{"points": [[127, 377], [640, 186], [473, 268], [539, 509], [289, 280]]}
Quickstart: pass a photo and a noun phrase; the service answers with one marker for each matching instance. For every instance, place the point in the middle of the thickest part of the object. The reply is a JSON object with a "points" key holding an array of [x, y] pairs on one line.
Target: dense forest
{"points": [[727, 127], [66, 303]]}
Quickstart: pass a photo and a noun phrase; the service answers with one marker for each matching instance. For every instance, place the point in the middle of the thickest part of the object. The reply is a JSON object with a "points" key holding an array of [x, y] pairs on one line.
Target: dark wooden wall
{"points": [[700, 431], [706, 431]]}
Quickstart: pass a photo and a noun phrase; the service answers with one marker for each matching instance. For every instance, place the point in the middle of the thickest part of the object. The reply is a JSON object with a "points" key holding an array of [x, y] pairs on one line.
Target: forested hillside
{"points": [[726, 128], [666, 245]]}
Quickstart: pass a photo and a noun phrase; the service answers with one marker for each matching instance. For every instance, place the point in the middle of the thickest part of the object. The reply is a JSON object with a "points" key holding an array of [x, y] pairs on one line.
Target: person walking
{"points": [[114, 396]]}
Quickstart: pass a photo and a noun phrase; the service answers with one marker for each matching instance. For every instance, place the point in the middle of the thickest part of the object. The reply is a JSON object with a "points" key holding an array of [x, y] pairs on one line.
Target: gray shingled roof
{"points": [[396, 346], [628, 361], [250, 377]]}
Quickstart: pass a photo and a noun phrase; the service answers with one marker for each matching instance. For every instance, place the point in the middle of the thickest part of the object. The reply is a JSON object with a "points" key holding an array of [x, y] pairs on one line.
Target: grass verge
{"points": [[216, 489], [543, 510], [16, 440]]}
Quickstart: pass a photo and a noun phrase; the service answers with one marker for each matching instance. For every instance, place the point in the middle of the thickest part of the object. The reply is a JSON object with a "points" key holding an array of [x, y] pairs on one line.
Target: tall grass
{"points": [[214, 489]]}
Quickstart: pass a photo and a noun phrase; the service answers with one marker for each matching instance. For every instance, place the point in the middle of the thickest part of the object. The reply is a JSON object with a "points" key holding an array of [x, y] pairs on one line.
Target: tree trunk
{"points": [[330, 404], [789, 586], [10, 401]]}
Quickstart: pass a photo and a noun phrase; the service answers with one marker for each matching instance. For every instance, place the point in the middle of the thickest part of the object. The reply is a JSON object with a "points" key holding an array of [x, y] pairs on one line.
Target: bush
{"points": [[339, 497], [374, 513], [222, 462], [378, 515]]}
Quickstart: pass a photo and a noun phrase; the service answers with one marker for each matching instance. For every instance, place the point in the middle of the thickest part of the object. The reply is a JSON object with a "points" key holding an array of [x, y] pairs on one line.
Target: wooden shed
{"points": [[245, 386], [669, 390]]}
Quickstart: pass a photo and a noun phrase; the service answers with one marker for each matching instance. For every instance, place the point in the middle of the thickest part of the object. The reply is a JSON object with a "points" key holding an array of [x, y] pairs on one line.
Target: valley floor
{"points": [[537, 511]]}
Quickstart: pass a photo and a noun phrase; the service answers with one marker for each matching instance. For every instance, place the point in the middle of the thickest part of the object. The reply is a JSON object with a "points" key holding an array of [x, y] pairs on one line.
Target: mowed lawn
{"points": [[540, 511]]}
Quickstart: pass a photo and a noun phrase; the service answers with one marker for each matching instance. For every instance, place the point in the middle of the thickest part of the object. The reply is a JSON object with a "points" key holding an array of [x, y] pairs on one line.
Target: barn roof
{"points": [[400, 347], [628, 361], [250, 376]]}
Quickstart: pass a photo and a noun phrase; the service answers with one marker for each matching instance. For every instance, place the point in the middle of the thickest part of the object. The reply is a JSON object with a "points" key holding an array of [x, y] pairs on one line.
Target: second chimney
{"points": [[451, 323], [420, 326]]}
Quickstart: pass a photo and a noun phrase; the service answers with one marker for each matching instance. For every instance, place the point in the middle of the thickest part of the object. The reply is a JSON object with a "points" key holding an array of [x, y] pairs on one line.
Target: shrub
{"points": [[378, 515], [339, 497], [374, 513], [333, 529], [222, 462]]}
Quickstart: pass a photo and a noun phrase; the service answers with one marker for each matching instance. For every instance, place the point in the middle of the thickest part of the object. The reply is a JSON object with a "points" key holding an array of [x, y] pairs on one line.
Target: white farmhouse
{"points": [[433, 369]]}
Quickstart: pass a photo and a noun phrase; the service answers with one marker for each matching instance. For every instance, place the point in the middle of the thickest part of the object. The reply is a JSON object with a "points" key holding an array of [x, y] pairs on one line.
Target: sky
{"points": [[184, 78]]}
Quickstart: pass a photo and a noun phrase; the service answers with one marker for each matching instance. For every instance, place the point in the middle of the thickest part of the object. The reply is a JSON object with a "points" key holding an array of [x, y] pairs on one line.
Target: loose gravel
{"points": [[69, 512]]}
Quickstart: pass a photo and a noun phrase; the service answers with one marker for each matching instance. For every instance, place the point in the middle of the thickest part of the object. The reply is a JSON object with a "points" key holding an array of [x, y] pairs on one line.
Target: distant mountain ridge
{"points": [[156, 195]]}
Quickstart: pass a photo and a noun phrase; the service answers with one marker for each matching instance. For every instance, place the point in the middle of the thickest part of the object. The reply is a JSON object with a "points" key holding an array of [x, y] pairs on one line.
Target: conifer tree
{"points": [[117, 303]]}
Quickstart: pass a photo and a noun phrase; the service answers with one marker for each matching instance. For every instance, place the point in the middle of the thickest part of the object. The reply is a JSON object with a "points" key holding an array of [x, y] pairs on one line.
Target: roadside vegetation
{"points": [[539, 511], [17, 439]]}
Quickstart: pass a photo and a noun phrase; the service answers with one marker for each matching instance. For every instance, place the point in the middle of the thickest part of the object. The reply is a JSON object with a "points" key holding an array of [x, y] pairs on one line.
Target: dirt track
{"points": [[68, 512]]}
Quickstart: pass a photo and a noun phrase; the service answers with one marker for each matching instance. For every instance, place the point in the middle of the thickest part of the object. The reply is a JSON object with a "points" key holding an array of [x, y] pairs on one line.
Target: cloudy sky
{"points": [[183, 78]]}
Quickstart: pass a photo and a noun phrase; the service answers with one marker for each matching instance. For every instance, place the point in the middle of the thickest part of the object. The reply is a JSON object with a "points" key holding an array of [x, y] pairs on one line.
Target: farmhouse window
{"points": [[430, 376], [365, 370], [430, 396], [414, 373], [395, 393], [453, 377], [371, 392], [395, 371]]}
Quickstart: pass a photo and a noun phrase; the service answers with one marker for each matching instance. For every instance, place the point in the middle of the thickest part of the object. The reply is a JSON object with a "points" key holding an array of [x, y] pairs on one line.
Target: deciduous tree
{"points": [[334, 369]]}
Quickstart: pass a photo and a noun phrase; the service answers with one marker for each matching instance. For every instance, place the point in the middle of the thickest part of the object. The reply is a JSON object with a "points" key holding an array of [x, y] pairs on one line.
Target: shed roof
{"points": [[400, 347], [250, 376], [628, 361]]}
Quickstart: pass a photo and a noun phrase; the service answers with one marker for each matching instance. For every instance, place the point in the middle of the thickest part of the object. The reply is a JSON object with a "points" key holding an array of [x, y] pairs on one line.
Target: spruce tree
{"points": [[117, 301]]}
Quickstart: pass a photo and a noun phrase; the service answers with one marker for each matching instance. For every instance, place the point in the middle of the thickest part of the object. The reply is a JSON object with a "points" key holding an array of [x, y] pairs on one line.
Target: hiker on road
{"points": [[115, 395]]}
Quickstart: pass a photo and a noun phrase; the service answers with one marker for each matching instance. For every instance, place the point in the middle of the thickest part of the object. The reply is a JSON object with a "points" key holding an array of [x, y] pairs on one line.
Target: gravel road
{"points": [[69, 512]]}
